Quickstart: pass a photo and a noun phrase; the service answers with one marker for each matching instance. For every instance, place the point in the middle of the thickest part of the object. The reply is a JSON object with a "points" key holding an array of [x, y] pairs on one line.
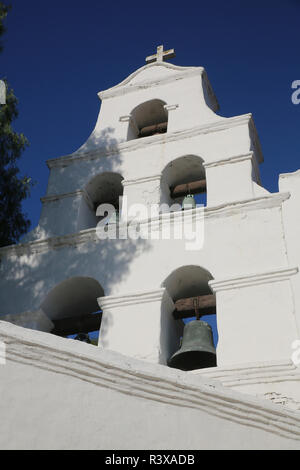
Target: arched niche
{"points": [[182, 176], [73, 308], [182, 286], [148, 118], [103, 188]]}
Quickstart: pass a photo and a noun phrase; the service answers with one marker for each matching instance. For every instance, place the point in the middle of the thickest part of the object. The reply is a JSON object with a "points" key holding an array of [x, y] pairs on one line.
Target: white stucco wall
{"points": [[62, 394], [252, 247], [291, 221]]}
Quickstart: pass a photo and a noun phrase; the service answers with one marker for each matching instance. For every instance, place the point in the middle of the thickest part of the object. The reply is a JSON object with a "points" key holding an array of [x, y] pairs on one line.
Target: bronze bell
{"points": [[197, 349], [188, 202]]}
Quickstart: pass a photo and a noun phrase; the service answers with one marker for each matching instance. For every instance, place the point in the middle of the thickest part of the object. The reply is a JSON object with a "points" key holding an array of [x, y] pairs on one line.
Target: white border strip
{"points": [[253, 279]]}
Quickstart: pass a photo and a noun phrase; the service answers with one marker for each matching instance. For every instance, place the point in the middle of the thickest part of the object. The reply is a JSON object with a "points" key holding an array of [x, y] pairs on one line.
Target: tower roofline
{"points": [[179, 72]]}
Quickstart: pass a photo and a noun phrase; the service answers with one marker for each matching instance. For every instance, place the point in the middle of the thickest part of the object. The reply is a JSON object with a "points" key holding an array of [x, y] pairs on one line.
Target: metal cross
{"points": [[160, 55]]}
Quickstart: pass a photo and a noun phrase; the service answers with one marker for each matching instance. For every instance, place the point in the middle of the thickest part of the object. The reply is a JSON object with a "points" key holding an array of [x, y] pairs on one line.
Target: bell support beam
{"points": [[159, 128], [195, 187], [184, 308], [73, 325]]}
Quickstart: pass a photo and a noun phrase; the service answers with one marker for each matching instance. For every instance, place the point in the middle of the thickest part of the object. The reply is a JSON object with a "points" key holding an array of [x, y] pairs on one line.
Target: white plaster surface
{"points": [[62, 394]]}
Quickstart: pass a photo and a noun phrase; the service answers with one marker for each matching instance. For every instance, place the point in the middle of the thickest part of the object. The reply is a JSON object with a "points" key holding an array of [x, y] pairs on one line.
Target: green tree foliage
{"points": [[13, 188]]}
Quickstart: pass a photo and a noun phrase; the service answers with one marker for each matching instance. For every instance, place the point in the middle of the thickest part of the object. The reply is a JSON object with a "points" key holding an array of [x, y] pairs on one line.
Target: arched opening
{"points": [[182, 177], [148, 119], [193, 300], [103, 188], [73, 308]]}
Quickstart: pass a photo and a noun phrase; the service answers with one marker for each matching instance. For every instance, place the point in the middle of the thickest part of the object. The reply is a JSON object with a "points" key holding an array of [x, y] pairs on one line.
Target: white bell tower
{"points": [[157, 139]]}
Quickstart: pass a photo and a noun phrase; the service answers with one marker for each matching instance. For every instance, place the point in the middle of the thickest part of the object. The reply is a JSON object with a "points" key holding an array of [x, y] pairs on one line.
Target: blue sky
{"points": [[59, 54]]}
